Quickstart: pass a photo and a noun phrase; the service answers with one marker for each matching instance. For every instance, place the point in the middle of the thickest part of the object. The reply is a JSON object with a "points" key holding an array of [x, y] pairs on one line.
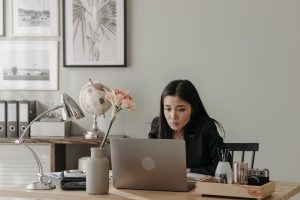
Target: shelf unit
{"points": [[17, 165], [57, 148]]}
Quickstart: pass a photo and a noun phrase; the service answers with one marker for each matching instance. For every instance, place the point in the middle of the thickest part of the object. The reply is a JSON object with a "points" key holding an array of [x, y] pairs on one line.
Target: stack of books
{"points": [[73, 180]]}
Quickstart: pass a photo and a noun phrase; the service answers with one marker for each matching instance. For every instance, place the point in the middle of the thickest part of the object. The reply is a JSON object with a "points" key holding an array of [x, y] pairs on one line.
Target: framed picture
{"points": [[35, 18], [28, 65], [94, 33], [1, 18]]}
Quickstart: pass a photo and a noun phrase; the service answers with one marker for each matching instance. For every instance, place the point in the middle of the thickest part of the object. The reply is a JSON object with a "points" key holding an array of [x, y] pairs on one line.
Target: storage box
{"points": [[211, 187], [51, 129]]}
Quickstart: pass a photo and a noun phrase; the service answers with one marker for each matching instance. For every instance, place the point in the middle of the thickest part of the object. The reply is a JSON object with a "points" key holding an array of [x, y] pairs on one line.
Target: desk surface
{"points": [[283, 191]]}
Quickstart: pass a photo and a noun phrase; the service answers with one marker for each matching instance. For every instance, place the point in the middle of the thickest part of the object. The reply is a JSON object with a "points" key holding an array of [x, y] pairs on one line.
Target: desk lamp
{"points": [[69, 110]]}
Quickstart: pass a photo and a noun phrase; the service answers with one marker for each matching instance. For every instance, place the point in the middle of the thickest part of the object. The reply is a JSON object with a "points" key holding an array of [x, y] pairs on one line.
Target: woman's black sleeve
{"points": [[213, 141], [154, 128]]}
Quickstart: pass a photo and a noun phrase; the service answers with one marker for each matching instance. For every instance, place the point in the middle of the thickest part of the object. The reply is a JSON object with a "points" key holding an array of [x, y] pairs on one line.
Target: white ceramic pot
{"points": [[224, 172], [97, 172]]}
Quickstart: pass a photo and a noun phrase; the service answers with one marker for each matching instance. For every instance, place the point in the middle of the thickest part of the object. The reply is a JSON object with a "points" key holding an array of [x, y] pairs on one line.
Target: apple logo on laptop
{"points": [[148, 163]]}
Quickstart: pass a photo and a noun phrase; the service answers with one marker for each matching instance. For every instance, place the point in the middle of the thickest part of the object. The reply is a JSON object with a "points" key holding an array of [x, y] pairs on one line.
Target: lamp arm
{"points": [[38, 161], [21, 139], [70, 110]]}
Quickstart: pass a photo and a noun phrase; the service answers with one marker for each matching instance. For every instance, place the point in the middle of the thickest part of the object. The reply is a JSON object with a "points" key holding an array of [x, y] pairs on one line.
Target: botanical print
{"points": [[94, 30], [33, 13]]}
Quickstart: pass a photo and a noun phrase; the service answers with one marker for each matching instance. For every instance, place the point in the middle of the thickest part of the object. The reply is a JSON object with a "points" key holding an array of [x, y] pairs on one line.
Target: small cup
{"points": [[240, 173], [82, 163]]}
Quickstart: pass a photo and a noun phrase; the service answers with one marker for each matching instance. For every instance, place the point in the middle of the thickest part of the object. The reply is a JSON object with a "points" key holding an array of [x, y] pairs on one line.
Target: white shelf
{"points": [[18, 166]]}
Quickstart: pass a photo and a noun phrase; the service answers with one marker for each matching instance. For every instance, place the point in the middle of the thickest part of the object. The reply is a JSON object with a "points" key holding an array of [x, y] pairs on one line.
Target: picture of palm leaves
{"points": [[94, 21]]}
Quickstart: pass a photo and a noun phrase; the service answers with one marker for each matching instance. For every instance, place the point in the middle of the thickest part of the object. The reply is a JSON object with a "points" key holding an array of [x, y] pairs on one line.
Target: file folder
{"points": [[12, 118], [2, 118], [32, 110], [27, 112]]}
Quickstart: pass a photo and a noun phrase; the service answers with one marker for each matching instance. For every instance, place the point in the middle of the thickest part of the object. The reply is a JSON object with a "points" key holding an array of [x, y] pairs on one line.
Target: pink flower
{"points": [[119, 99]]}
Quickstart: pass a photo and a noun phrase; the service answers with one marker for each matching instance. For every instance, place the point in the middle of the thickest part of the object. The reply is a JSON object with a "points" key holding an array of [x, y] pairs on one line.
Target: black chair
{"points": [[243, 147]]}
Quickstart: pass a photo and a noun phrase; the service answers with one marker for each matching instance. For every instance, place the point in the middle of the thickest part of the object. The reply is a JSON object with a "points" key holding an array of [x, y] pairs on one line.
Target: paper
{"points": [[196, 177], [55, 178]]}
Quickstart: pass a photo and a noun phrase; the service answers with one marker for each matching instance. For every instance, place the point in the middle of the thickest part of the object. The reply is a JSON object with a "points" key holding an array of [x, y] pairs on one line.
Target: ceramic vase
{"points": [[224, 172], [97, 172]]}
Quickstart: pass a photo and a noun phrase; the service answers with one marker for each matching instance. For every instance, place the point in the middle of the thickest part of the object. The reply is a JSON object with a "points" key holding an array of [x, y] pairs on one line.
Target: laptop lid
{"points": [[150, 164]]}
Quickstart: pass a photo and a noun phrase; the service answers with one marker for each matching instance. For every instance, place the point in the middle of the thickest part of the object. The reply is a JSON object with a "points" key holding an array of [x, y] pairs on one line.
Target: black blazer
{"points": [[201, 143]]}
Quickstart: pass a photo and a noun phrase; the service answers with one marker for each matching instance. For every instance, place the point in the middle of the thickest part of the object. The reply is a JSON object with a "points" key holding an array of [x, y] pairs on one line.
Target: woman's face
{"points": [[177, 112]]}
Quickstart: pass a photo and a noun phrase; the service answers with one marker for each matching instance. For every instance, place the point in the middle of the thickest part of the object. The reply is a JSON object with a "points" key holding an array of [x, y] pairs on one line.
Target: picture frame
{"points": [[35, 18], [28, 65], [1, 18], [90, 42]]}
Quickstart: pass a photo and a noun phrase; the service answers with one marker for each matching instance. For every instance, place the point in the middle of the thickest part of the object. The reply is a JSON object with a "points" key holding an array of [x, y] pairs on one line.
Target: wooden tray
{"points": [[211, 187]]}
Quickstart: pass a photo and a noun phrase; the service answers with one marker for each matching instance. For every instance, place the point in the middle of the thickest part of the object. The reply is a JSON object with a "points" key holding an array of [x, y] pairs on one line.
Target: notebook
{"points": [[149, 164]]}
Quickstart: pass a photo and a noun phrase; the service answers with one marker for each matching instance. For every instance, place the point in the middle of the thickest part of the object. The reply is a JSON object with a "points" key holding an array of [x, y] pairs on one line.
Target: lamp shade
{"points": [[70, 109]]}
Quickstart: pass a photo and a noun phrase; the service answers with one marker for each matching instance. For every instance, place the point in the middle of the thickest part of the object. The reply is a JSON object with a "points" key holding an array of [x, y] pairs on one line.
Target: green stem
{"points": [[106, 134]]}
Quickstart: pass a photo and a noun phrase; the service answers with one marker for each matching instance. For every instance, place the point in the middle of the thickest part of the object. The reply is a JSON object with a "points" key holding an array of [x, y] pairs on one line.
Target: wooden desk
{"points": [[283, 191]]}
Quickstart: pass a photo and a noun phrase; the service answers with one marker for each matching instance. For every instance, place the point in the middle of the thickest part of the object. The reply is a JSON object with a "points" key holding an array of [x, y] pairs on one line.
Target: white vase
{"points": [[97, 172], [224, 172]]}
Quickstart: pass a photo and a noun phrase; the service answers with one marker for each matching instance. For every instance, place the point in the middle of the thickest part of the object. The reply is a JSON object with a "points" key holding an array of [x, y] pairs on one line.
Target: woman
{"points": [[183, 116]]}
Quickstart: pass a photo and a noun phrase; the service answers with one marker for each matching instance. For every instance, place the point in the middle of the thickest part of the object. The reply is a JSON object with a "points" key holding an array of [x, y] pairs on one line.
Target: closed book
{"points": [[72, 183]]}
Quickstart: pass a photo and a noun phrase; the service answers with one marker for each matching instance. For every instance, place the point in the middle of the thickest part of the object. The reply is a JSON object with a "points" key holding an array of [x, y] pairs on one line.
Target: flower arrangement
{"points": [[119, 99]]}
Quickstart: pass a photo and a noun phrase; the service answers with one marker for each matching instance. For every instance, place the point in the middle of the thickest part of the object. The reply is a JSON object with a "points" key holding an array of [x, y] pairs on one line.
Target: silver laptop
{"points": [[149, 164]]}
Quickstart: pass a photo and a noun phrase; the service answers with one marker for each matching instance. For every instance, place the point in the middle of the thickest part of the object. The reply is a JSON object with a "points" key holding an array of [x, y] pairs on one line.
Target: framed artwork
{"points": [[28, 65], [94, 33], [1, 18], [35, 17]]}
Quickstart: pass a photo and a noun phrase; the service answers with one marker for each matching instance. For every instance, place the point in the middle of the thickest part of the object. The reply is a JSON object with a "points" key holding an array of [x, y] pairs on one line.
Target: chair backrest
{"points": [[243, 147]]}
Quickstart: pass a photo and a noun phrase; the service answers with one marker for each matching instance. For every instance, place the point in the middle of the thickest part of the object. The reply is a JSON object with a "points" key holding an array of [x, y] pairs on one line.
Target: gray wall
{"points": [[243, 56]]}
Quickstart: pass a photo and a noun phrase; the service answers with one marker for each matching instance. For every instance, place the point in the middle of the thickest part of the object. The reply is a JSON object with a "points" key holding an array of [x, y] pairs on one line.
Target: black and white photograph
{"points": [[35, 18], [28, 65], [94, 33], [1, 18]]}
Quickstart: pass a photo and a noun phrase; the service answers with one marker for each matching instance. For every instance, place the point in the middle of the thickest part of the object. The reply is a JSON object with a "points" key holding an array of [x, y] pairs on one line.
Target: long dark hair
{"points": [[185, 90]]}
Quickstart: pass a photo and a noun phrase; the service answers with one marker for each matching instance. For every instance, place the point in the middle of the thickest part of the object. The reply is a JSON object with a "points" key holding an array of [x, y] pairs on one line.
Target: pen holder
{"points": [[240, 173], [224, 172]]}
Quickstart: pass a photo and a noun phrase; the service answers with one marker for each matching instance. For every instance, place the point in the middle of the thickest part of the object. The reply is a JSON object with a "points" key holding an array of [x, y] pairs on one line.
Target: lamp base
{"points": [[94, 134], [37, 185]]}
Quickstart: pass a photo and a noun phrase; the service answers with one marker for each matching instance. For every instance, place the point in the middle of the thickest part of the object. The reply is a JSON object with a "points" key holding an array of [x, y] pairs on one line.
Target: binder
{"points": [[32, 110], [3, 118], [12, 119], [27, 112]]}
